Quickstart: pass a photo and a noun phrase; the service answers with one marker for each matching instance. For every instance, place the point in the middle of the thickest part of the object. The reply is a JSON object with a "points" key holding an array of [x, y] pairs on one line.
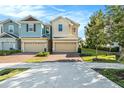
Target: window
{"points": [[74, 30], [31, 27], [47, 30], [60, 27], [11, 28]]}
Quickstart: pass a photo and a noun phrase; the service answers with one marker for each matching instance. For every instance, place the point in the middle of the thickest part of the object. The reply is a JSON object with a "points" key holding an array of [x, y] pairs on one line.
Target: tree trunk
{"points": [[121, 54], [96, 52], [109, 50]]}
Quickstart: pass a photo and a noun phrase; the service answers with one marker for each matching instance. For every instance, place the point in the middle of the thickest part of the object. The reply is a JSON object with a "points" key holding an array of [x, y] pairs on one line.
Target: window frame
{"points": [[11, 28], [31, 26], [60, 27]]}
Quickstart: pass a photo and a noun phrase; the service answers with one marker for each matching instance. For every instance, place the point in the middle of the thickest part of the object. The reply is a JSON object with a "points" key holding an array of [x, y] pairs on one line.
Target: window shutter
{"points": [[27, 27], [34, 27]]}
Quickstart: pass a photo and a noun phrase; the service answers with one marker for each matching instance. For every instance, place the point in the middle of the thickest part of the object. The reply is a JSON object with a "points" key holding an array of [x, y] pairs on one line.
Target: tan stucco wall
{"points": [[67, 28]]}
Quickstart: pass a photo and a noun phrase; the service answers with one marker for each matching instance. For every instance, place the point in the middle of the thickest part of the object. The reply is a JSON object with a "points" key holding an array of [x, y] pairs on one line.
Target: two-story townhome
{"points": [[9, 35], [32, 35], [64, 35]]}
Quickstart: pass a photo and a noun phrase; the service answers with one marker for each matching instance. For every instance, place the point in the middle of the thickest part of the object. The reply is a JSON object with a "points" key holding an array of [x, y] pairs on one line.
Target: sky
{"points": [[46, 13]]}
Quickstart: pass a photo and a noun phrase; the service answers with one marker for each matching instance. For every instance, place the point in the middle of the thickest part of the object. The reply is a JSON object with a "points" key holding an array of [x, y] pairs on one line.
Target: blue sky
{"points": [[45, 13]]}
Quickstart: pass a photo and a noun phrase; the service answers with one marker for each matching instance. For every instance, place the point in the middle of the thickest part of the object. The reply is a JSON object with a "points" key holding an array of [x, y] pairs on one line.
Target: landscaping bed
{"points": [[115, 75], [9, 52], [39, 57], [10, 72], [89, 55]]}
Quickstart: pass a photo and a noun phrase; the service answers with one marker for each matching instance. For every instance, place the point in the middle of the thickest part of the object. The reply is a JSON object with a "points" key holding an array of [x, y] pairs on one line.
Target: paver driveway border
{"points": [[16, 58], [57, 75]]}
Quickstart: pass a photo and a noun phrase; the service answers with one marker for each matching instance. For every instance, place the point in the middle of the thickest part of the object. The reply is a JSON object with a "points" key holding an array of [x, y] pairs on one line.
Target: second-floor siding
{"points": [[31, 27], [31, 30], [10, 27]]}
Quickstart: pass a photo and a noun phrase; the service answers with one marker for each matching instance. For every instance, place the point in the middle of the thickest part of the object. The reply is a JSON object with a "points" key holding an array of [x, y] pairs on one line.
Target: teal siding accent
{"points": [[16, 28], [25, 33]]}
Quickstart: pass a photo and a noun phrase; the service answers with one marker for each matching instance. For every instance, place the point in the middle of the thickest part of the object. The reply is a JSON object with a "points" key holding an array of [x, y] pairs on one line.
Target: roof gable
{"points": [[7, 35], [8, 20], [29, 18], [67, 20], [60, 17]]}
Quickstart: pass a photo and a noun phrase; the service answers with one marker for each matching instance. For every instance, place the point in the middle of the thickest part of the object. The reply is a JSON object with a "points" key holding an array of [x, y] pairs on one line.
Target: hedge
{"points": [[42, 54], [114, 49], [8, 52]]}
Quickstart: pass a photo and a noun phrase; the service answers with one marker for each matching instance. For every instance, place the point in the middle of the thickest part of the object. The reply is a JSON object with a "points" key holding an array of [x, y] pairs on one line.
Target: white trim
{"points": [[7, 34], [30, 22], [65, 41], [35, 41]]}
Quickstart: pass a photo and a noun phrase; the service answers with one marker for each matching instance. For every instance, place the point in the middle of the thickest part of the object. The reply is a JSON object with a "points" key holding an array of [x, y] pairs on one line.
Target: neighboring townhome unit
{"points": [[64, 35], [31, 35], [9, 33]]}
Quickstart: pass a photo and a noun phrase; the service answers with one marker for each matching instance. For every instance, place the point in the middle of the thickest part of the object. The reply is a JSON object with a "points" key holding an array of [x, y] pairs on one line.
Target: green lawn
{"points": [[88, 55], [9, 72], [36, 59], [93, 51], [102, 58], [116, 75]]}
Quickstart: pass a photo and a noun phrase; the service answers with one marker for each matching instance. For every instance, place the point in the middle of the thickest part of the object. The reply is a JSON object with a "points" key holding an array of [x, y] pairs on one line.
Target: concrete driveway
{"points": [[16, 58], [57, 75]]}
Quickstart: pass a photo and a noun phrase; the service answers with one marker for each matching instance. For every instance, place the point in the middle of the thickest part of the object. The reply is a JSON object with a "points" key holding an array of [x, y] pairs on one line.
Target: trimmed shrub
{"points": [[114, 49], [85, 54], [9, 52], [42, 54]]}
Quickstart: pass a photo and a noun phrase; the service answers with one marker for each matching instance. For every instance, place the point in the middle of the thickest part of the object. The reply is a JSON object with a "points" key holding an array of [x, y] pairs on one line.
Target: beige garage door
{"points": [[34, 46], [65, 47]]}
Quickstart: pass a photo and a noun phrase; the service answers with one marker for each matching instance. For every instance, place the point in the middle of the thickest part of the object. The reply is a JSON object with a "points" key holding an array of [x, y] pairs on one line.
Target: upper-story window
{"points": [[11, 28], [47, 30], [74, 30], [31, 27], [60, 27]]}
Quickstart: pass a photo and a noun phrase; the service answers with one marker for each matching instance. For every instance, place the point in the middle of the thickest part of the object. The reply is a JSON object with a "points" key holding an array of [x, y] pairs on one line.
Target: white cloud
{"points": [[21, 11], [58, 9]]}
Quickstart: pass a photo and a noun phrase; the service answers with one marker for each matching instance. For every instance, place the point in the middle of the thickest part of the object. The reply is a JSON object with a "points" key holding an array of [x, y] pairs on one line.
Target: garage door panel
{"points": [[65, 47], [34, 46]]}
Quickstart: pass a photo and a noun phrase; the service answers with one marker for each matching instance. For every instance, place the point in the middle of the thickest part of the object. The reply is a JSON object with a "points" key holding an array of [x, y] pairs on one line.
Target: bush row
{"points": [[42, 54], [114, 49], [8, 52]]}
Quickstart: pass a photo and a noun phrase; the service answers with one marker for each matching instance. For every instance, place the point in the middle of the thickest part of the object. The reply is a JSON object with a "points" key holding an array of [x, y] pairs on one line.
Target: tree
{"points": [[109, 32], [94, 31], [117, 16], [81, 42]]}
